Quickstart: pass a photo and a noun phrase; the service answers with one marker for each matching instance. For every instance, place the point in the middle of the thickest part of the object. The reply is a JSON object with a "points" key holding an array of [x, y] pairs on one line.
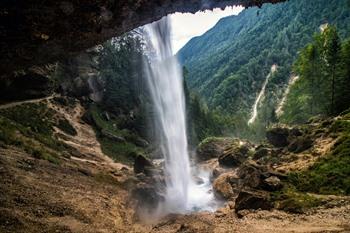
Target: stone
{"points": [[278, 136], [234, 155], [273, 183], [261, 152], [212, 148], [225, 185], [253, 200], [147, 195], [300, 144], [141, 164], [46, 32], [141, 142]]}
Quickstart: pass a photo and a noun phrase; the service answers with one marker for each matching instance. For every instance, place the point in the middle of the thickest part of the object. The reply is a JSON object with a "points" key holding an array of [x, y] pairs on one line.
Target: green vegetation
{"points": [[228, 64], [116, 143], [30, 127], [331, 174], [322, 89], [289, 199], [66, 127]]}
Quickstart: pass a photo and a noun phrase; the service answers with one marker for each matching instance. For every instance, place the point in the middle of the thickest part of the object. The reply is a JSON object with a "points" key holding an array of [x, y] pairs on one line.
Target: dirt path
{"points": [[14, 104]]}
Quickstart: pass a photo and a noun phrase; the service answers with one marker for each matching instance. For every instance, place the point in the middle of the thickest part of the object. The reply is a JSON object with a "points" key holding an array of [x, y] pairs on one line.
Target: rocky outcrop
{"points": [[36, 33], [225, 186], [295, 139], [141, 164], [33, 83], [278, 136], [212, 147], [235, 154], [253, 200]]}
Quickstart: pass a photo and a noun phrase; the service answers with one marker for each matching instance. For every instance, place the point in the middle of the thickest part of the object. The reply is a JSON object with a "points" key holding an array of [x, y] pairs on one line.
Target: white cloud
{"points": [[186, 26]]}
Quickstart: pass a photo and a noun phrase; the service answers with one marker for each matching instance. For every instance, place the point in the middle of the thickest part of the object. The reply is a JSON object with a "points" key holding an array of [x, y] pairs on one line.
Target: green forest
{"points": [[229, 63]]}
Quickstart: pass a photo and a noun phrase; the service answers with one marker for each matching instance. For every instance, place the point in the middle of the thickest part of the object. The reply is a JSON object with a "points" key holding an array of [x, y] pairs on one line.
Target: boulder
{"points": [[141, 142], [142, 164], [225, 186], [253, 200], [300, 144], [261, 152], [147, 195], [250, 175], [272, 183], [234, 155], [212, 147], [278, 136]]}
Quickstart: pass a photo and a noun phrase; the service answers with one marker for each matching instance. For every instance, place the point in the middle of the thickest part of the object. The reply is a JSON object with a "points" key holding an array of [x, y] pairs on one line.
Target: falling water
{"points": [[165, 80], [261, 94], [279, 110]]}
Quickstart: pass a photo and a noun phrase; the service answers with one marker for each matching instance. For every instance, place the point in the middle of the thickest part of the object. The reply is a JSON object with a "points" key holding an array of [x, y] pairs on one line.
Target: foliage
{"points": [[289, 199], [229, 63], [329, 175], [30, 127], [66, 127], [121, 151], [322, 88]]}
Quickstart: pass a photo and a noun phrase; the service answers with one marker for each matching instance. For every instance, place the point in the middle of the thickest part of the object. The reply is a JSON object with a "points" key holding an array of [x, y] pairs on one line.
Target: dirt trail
{"points": [[14, 104]]}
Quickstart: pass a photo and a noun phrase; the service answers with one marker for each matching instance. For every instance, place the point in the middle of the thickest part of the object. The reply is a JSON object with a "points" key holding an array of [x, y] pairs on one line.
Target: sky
{"points": [[186, 26]]}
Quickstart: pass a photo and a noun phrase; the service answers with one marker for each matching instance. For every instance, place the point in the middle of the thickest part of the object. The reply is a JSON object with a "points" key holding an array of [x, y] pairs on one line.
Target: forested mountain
{"points": [[229, 63]]}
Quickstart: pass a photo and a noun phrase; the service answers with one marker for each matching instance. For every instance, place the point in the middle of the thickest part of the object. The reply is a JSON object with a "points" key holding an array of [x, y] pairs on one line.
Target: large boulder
{"points": [[147, 195], [253, 200], [235, 154], [254, 176], [225, 186], [142, 164], [278, 136], [212, 147]]}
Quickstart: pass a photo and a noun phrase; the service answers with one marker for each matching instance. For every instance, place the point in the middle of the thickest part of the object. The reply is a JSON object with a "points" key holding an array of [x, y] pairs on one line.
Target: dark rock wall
{"points": [[36, 32]]}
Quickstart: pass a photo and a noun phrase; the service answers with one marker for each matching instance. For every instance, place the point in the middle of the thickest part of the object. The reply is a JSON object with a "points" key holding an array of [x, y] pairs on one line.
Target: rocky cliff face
{"points": [[36, 32]]}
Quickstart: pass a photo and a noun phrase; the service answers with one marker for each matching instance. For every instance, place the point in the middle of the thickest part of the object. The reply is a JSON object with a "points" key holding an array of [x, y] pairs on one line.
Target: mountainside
{"points": [[229, 64]]}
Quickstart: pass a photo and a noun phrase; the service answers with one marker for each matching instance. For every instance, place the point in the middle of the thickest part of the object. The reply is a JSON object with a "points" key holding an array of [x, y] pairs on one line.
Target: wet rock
{"points": [[217, 172], [212, 148], [253, 200], [225, 186], [278, 136], [142, 164], [147, 195]]}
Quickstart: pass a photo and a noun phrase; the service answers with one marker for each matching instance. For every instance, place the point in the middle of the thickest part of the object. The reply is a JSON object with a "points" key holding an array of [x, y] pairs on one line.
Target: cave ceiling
{"points": [[38, 32]]}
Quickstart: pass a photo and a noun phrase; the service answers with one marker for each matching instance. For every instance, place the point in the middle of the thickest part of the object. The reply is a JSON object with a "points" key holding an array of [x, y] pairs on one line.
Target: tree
{"points": [[332, 49]]}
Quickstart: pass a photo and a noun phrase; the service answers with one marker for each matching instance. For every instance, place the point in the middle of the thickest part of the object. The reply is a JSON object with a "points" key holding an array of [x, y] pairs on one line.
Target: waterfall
{"points": [[279, 110], [165, 81], [261, 94]]}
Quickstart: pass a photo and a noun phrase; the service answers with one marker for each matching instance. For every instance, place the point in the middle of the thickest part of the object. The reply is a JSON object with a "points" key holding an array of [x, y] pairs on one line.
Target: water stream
{"points": [[261, 94], [165, 81]]}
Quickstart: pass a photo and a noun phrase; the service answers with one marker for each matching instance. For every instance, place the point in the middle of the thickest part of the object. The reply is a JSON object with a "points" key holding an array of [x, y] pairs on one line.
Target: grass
{"points": [[66, 127], [291, 200], [331, 174], [124, 152], [30, 127]]}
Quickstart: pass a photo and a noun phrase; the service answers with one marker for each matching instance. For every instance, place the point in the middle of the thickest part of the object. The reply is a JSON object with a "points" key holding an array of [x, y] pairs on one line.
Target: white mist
{"points": [[165, 81]]}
